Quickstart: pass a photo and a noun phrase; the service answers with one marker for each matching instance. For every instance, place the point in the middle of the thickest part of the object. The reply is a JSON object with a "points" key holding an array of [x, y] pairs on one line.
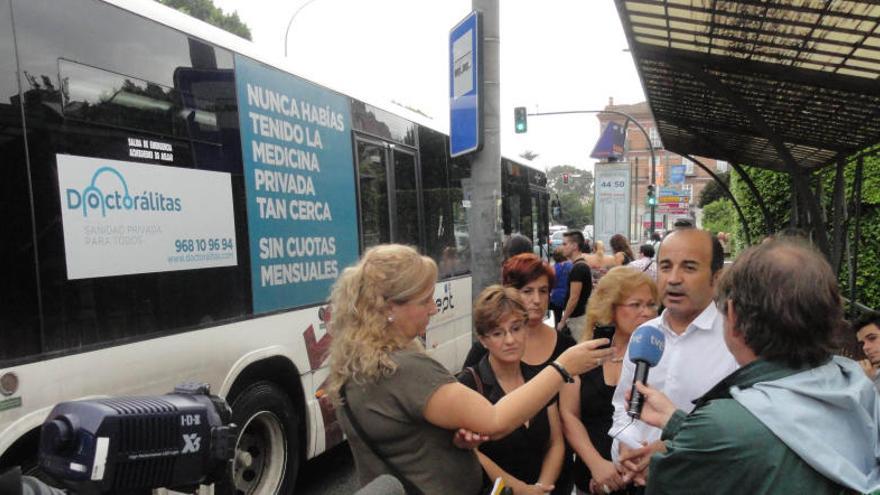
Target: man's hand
{"points": [[657, 408], [560, 325], [468, 440], [868, 368], [635, 461]]}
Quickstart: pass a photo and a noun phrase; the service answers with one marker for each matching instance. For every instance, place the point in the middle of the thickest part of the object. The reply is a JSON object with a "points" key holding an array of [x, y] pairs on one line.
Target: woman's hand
{"points": [[468, 440], [606, 475], [585, 356]]}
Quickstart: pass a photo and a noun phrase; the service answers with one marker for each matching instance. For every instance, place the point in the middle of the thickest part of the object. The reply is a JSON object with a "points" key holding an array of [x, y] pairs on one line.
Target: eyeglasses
{"points": [[638, 306]]}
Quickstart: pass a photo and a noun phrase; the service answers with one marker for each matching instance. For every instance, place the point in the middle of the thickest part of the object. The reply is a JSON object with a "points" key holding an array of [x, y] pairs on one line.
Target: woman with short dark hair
{"points": [[530, 458]]}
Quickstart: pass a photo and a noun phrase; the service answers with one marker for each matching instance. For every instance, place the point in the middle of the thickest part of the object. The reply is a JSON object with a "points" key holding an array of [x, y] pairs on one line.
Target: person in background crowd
{"points": [[793, 419], [655, 242], [579, 284], [695, 357], [530, 458], [867, 328], [646, 262], [683, 223], [624, 298], [725, 239], [623, 254], [407, 404], [517, 244], [599, 262], [559, 293]]}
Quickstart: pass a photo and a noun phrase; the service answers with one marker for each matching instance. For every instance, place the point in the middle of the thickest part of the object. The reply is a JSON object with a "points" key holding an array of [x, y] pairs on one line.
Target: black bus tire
{"points": [[267, 450]]}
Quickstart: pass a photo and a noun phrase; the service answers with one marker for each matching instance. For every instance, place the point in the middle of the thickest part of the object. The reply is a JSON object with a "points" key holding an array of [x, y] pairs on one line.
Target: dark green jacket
{"points": [[722, 448]]}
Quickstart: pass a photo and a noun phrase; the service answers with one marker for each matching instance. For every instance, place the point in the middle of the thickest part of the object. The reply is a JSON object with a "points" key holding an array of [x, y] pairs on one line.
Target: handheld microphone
{"points": [[645, 350], [384, 484]]}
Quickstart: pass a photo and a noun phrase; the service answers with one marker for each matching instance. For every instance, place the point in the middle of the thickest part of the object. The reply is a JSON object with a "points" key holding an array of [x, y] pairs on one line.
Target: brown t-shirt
{"points": [[391, 411]]}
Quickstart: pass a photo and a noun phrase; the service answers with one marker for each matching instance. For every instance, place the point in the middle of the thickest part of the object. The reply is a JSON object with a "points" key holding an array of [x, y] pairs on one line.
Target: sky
{"points": [[556, 55]]}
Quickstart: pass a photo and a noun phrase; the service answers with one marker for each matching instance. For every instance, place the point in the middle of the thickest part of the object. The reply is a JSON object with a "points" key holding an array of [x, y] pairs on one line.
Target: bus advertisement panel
{"points": [[123, 218], [296, 143]]}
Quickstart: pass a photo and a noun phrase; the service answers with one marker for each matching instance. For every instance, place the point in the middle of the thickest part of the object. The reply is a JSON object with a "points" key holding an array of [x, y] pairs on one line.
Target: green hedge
{"points": [[775, 189]]}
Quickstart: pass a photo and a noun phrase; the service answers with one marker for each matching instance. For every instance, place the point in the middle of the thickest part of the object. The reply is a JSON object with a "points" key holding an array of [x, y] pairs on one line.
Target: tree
{"points": [[528, 155], [580, 181], [206, 11], [575, 213], [713, 191], [720, 216]]}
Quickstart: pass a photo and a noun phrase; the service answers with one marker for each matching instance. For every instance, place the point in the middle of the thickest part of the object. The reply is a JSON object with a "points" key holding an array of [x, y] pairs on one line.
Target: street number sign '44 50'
{"points": [[612, 184]]}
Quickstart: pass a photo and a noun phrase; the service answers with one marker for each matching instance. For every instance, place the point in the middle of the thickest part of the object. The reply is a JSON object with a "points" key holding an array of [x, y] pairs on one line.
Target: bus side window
{"points": [[19, 315]]}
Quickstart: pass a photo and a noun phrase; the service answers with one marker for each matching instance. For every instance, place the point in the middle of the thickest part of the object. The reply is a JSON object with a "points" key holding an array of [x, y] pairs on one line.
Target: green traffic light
{"points": [[519, 118]]}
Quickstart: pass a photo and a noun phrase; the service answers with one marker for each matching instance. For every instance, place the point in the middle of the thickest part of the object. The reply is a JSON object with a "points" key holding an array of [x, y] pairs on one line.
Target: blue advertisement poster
{"points": [[676, 174], [300, 186]]}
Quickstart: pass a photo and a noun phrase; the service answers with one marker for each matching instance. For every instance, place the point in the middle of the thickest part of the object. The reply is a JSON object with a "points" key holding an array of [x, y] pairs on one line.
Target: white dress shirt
{"points": [[692, 363]]}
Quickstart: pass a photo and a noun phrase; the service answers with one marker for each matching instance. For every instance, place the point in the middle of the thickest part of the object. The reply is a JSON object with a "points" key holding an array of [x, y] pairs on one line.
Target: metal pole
{"points": [[485, 210], [629, 118]]}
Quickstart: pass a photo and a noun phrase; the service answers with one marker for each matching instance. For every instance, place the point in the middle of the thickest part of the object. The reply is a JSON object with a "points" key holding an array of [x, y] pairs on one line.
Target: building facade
{"points": [[673, 173]]}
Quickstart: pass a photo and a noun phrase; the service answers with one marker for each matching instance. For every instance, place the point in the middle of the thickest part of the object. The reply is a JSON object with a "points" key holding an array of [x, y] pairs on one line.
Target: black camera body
{"points": [[130, 444]]}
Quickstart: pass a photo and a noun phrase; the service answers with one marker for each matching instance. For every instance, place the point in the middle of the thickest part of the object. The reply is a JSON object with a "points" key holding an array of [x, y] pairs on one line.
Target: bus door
{"points": [[389, 193]]}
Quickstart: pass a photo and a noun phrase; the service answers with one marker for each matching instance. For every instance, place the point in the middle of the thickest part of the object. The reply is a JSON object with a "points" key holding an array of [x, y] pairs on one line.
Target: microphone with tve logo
{"points": [[645, 350]]}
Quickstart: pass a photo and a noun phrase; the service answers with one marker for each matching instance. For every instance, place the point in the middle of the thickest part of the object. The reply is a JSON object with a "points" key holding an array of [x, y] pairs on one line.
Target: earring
{"points": [[390, 318]]}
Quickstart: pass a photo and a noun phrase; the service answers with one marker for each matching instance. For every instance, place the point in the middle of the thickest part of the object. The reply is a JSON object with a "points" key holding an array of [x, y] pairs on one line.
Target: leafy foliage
{"points": [[720, 216], [775, 188], [713, 192], [575, 213], [580, 182], [206, 11]]}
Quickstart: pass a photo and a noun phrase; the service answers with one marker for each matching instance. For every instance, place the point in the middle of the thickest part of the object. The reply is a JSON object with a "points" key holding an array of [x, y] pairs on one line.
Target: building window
{"points": [[721, 166], [688, 166], [688, 189], [655, 138]]}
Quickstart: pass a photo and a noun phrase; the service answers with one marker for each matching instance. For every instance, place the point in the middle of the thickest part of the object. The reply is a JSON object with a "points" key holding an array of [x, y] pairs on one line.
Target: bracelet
{"points": [[566, 376]]}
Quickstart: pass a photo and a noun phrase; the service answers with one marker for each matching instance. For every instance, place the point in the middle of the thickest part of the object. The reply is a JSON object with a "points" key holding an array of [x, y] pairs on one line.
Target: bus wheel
{"points": [[267, 450]]}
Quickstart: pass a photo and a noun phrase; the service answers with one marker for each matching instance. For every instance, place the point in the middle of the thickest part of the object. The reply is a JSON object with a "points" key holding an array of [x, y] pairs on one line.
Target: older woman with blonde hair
{"points": [[398, 406], [623, 299]]}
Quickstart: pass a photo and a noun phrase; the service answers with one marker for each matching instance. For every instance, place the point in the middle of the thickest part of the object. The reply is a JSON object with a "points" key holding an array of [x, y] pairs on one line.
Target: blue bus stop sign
{"points": [[465, 81]]}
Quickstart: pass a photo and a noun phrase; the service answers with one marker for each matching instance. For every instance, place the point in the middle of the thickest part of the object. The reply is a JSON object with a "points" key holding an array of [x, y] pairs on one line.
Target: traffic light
{"points": [[519, 120], [651, 196]]}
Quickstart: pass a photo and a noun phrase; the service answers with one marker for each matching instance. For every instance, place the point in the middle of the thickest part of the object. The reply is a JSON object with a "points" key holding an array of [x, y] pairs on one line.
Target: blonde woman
{"points": [[406, 404], [624, 299], [599, 262]]}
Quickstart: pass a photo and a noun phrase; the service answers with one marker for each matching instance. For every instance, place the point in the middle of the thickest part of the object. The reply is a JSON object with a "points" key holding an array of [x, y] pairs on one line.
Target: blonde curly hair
{"points": [[362, 343], [613, 288]]}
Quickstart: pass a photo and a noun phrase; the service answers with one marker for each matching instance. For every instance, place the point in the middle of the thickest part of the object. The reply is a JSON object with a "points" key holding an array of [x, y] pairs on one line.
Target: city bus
{"points": [[178, 206]]}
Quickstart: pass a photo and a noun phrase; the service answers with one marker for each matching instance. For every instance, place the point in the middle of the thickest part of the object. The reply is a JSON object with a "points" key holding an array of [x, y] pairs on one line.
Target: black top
{"points": [[596, 415], [521, 453], [580, 272], [563, 342]]}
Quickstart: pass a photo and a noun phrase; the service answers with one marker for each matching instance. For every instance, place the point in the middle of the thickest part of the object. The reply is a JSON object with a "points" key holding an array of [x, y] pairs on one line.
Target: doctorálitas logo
{"points": [[118, 197]]}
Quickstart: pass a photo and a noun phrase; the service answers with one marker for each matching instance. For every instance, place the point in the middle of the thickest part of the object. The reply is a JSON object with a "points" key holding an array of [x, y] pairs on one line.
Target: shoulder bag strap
{"points": [[648, 266], [477, 380], [410, 488]]}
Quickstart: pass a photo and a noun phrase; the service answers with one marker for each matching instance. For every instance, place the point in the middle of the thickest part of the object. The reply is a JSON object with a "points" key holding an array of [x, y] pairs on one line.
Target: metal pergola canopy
{"points": [[788, 85]]}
